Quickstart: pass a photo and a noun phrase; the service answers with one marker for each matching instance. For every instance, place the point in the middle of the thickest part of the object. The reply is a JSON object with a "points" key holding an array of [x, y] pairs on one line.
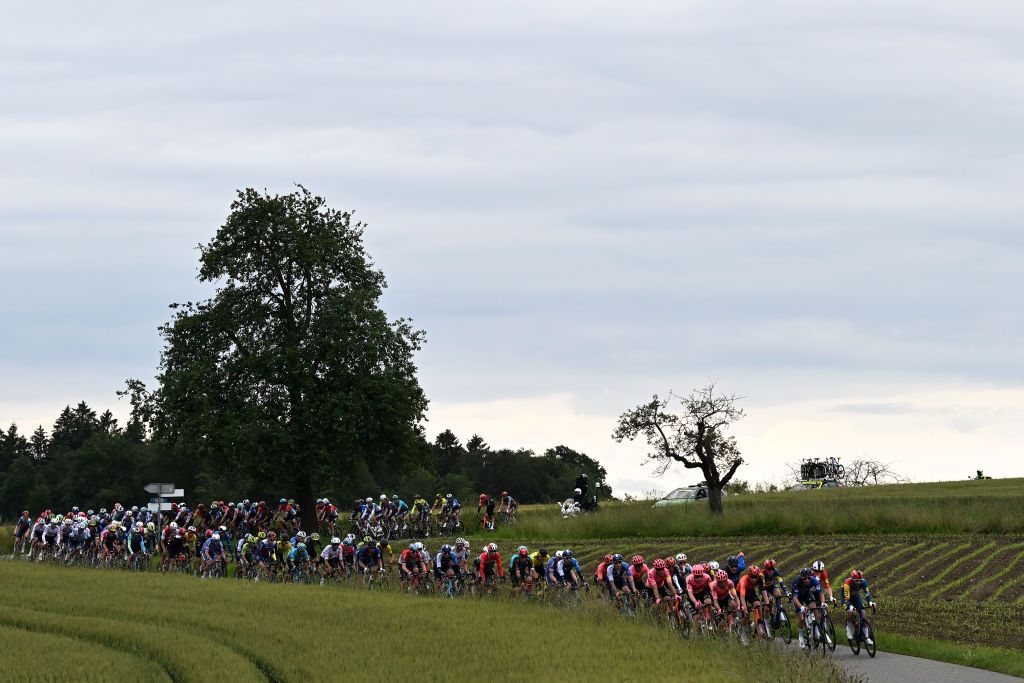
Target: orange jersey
{"points": [[749, 584]]}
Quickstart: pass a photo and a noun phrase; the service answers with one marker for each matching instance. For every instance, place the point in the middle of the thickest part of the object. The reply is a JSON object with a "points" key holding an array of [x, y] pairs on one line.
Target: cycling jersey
{"points": [[297, 555], [750, 588], [658, 578], [854, 592], [538, 561], [721, 590], [369, 555], [698, 585], [806, 593], [488, 561]]}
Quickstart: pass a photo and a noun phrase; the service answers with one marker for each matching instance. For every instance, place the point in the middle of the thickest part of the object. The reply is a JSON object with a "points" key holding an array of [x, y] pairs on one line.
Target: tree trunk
{"points": [[715, 498], [304, 495]]}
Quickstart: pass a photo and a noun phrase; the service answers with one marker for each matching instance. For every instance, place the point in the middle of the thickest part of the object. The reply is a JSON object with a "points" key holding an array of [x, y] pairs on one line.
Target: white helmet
{"points": [[174, 525], [369, 500], [577, 491], [326, 502], [216, 537], [335, 541], [383, 496], [713, 565], [558, 554], [460, 541], [681, 558], [301, 534], [818, 566], [493, 547]]}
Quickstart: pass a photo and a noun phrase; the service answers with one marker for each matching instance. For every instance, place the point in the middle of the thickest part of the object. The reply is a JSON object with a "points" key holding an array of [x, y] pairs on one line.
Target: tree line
{"points": [[90, 460]]}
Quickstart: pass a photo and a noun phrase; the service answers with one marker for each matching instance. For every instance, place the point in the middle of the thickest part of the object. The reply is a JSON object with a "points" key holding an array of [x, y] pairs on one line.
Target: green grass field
{"points": [[986, 507], [104, 626]]}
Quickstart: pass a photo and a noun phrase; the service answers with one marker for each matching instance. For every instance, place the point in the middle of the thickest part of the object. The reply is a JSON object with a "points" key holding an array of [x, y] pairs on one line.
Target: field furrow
{"points": [[957, 565]]}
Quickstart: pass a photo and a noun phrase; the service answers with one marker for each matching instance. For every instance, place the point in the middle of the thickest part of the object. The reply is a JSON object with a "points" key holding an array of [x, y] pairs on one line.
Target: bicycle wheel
{"points": [[784, 627], [869, 641], [854, 642], [828, 629]]}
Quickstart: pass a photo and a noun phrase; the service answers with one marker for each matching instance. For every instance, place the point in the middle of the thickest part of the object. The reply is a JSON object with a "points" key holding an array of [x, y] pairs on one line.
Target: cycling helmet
{"points": [[383, 496], [135, 508], [733, 561], [231, 505], [681, 558], [326, 502], [191, 529], [262, 535], [558, 554], [448, 496], [522, 547], [291, 501], [420, 546], [369, 500], [335, 541], [856, 574], [492, 548], [659, 564], [805, 572], [577, 491], [818, 566], [301, 534], [151, 527], [74, 510], [524, 552], [250, 539], [209, 533], [698, 570], [566, 553], [314, 536], [608, 558], [216, 537], [616, 557], [272, 535], [770, 564], [713, 566], [446, 548], [283, 501], [754, 571], [543, 552], [174, 525], [103, 511], [394, 497], [301, 546], [721, 576], [638, 559], [670, 561], [367, 539], [460, 541], [504, 493]]}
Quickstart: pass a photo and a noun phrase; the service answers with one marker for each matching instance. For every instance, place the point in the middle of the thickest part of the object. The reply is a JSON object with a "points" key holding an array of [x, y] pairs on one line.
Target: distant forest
{"points": [[88, 459]]}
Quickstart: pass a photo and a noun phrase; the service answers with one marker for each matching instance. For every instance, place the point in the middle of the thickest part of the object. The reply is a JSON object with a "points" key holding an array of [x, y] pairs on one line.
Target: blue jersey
{"points": [[297, 555], [369, 555], [807, 592], [402, 506]]}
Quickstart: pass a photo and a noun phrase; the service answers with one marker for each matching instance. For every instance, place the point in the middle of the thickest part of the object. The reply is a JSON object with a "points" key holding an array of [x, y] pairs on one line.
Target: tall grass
{"points": [[181, 628], [986, 507]]}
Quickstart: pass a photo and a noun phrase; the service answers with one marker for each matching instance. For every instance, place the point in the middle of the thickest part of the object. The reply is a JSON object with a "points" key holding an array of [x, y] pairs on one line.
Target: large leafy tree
{"points": [[690, 430], [290, 372]]}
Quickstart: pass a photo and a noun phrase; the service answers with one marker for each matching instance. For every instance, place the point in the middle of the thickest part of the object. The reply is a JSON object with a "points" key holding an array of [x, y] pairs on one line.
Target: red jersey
{"points": [[488, 561], [658, 577], [750, 584]]}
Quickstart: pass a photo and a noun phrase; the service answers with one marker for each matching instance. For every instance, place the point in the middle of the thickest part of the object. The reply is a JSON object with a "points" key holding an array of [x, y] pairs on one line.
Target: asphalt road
{"points": [[886, 666]]}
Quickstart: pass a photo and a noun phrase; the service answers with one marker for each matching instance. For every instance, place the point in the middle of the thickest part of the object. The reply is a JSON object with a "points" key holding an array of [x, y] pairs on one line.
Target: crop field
{"points": [[104, 626], [993, 506]]}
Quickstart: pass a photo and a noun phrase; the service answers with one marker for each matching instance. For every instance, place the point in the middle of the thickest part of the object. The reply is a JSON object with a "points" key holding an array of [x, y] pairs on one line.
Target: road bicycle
{"points": [[863, 633], [821, 633]]}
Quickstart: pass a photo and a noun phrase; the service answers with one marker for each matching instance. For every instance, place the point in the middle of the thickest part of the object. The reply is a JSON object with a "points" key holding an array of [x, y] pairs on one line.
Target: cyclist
{"points": [[567, 570], [490, 560], [297, 559], [137, 541], [446, 564], [401, 510], [806, 595], [698, 589], [410, 562], [213, 553], [659, 582], [734, 567], [818, 569], [508, 504], [750, 589], [601, 573], [332, 556], [489, 519], [438, 506], [723, 592], [453, 508], [421, 508], [540, 560], [266, 551], [21, 531], [368, 557], [855, 590], [521, 568], [639, 569], [482, 505], [619, 578]]}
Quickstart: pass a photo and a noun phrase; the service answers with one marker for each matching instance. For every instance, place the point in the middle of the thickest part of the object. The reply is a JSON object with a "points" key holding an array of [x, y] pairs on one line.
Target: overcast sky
{"points": [[582, 203]]}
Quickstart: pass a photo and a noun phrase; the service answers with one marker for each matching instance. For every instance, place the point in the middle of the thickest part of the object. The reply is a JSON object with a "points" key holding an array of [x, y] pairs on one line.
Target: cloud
{"points": [[588, 201]]}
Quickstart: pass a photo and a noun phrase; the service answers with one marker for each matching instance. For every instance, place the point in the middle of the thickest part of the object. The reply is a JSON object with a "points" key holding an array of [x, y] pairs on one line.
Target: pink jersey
{"points": [[658, 578], [721, 590], [692, 583]]}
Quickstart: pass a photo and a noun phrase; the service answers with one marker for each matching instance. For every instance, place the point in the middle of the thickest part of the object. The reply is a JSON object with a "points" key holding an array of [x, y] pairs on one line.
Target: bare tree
{"points": [[871, 473], [694, 436]]}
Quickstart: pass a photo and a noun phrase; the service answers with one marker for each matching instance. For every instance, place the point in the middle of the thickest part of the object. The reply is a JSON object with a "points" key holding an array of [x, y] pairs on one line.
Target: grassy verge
{"points": [[986, 507], [1001, 659], [185, 629]]}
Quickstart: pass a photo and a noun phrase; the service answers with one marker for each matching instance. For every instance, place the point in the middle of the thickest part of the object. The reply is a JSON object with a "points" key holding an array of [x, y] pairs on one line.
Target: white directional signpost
{"points": [[161, 492]]}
